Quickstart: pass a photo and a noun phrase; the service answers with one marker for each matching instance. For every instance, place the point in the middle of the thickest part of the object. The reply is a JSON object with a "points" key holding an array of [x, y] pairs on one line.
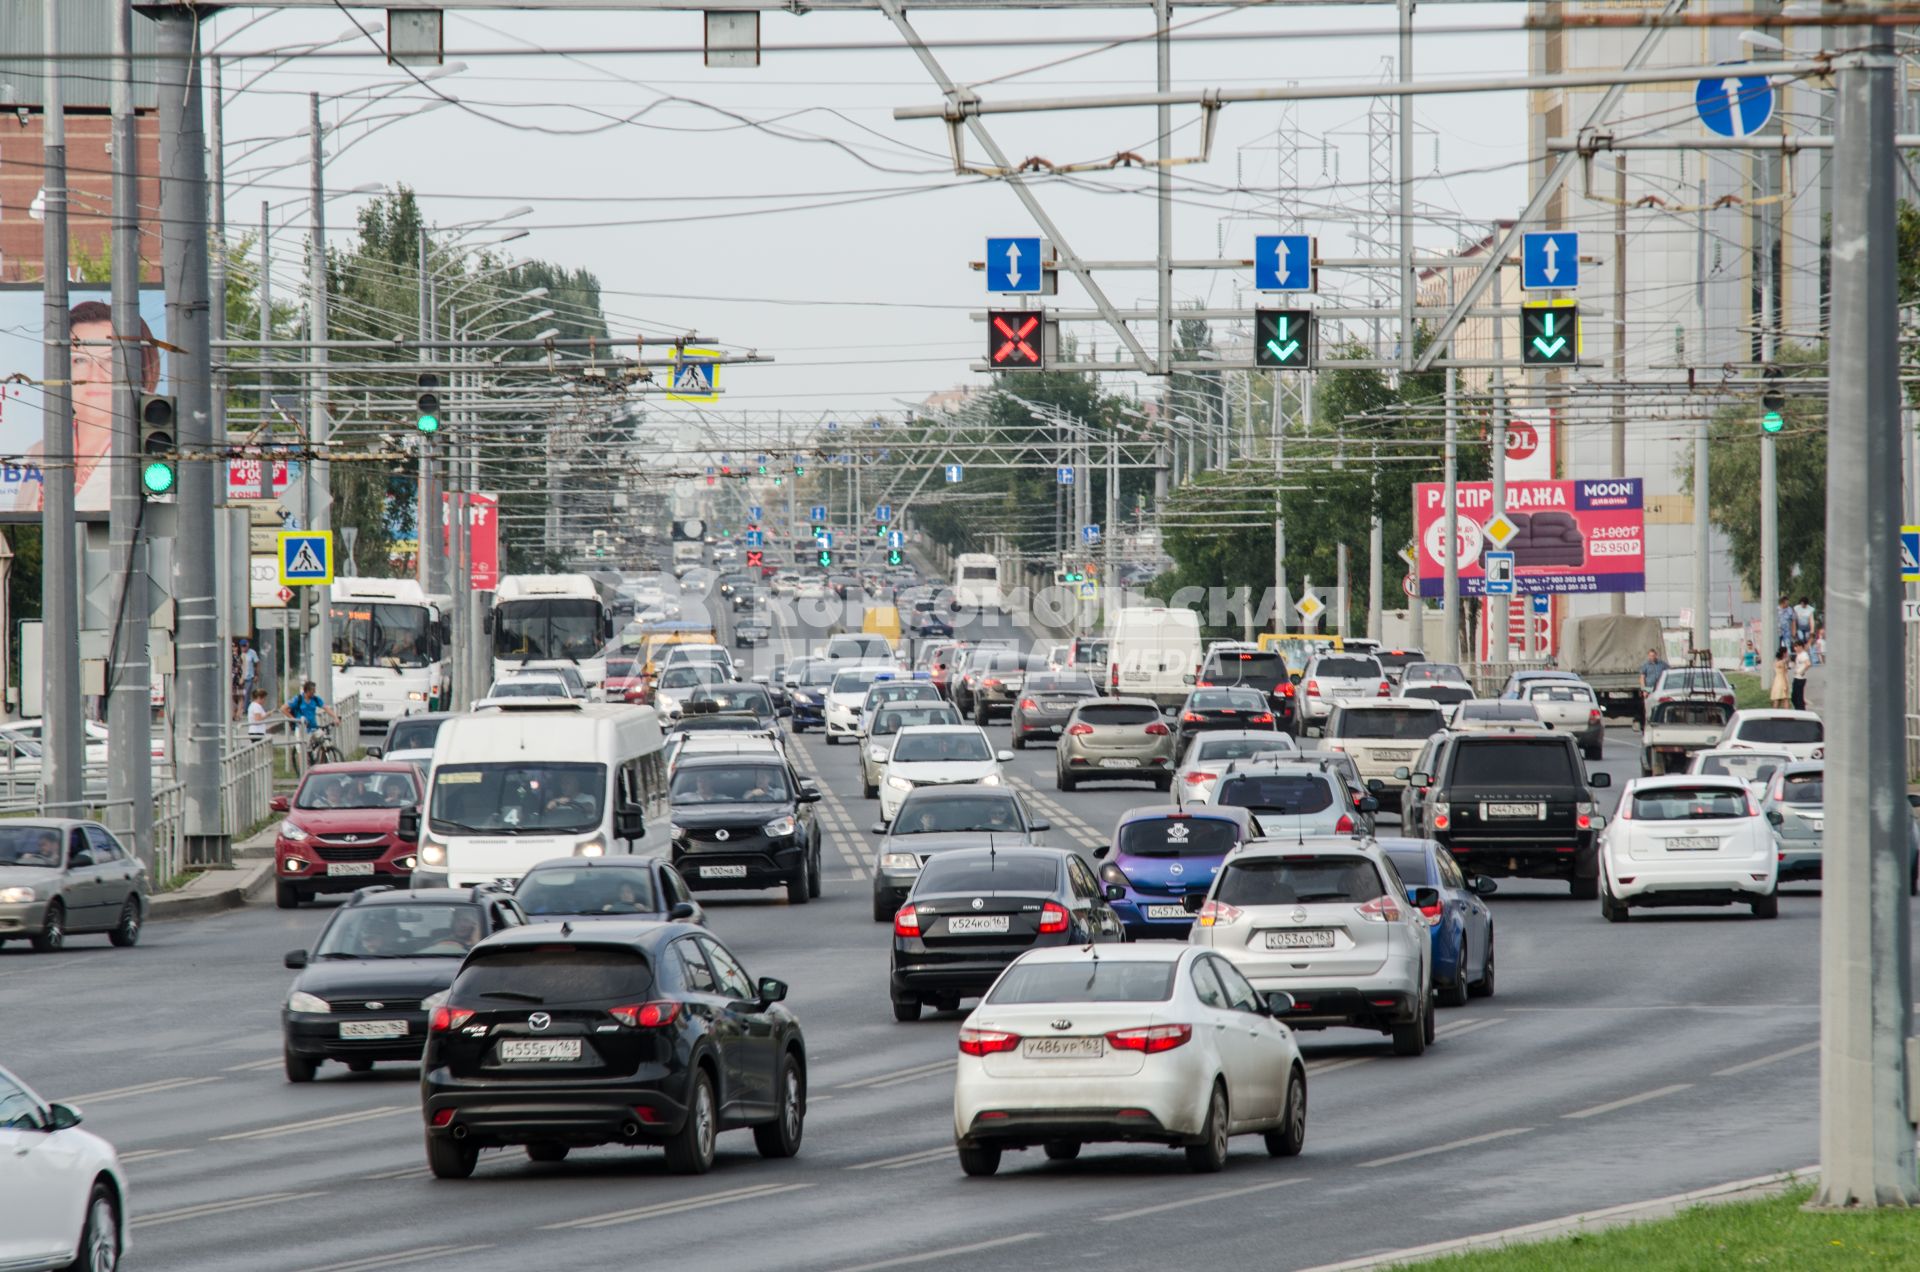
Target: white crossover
{"points": [[1688, 839]]}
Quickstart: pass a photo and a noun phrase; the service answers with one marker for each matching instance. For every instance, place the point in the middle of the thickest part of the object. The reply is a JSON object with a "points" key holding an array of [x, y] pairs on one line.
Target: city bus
{"points": [[389, 647], [544, 620]]}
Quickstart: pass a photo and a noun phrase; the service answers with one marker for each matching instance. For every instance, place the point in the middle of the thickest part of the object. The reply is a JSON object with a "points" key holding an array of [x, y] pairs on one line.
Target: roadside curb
{"points": [[212, 892], [1760, 1186]]}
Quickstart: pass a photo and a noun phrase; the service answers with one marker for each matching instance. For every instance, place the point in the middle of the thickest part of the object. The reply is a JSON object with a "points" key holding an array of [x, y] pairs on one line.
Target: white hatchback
{"points": [[1688, 839], [937, 755], [1798, 733], [1147, 1043], [65, 1196]]}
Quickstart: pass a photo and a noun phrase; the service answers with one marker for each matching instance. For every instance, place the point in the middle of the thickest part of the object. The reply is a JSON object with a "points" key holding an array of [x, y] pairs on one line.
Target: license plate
{"points": [[373, 1029], [1168, 912], [1063, 1048], [350, 868], [1815, 823], [723, 872], [1309, 939], [535, 1050], [1393, 755], [977, 923], [1513, 810], [1706, 843], [1116, 764]]}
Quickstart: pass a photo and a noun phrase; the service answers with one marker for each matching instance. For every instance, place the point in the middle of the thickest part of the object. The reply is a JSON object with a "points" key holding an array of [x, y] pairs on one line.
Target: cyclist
{"points": [[308, 707]]}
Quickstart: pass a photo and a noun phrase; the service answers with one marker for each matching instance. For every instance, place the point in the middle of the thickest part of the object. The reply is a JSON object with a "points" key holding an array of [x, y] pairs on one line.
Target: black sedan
{"points": [[359, 996], [610, 1033], [595, 888], [745, 821], [1045, 702], [976, 910], [940, 819], [1209, 709]]}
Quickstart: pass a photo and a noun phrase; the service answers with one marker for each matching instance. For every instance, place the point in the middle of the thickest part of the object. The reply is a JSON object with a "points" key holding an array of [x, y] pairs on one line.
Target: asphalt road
{"points": [[1616, 1063]]}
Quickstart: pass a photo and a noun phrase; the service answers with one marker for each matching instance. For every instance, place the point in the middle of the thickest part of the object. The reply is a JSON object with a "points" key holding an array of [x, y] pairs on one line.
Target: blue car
{"points": [[1161, 857], [807, 692], [1463, 937]]}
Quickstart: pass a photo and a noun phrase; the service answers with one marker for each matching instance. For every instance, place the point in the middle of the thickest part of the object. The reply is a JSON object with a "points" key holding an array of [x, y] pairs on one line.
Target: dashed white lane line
{"points": [[1764, 1061], [150, 1155], [207, 1208], [1629, 1101], [1205, 1198], [912, 1074], [143, 1088], [398, 1258], [1449, 1147], [924, 1157], [945, 1252], [665, 1208], [256, 1066], [317, 1123]]}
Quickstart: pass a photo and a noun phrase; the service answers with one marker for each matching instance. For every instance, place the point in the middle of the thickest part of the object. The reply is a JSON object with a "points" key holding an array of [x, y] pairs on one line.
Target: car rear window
{"points": [[1248, 666], [587, 890], [978, 873], [1559, 693], [1547, 762], [1433, 671], [1276, 881], [1285, 794], [1703, 714], [1178, 837], [551, 974], [1238, 699], [1689, 803], [1079, 684], [1803, 788], [1788, 732], [1221, 750], [854, 681], [413, 735], [1438, 693], [1388, 722], [1114, 714], [1399, 657], [1748, 766], [1348, 668], [1106, 981], [1499, 711], [1415, 871]]}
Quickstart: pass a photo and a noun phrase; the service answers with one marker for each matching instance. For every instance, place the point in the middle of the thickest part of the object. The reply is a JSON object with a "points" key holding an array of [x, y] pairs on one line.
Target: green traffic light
{"points": [[826, 557], [428, 422], [157, 477], [893, 556], [1772, 422]]}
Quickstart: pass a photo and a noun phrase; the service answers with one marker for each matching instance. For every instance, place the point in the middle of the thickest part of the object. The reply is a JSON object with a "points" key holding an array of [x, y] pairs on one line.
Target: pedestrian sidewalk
{"points": [[212, 891]]}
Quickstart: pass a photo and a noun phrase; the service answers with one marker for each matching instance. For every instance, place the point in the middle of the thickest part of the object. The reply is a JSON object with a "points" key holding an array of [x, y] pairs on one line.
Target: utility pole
{"points": [[430, 560], [319, 426], [1617, 603], [1866, 991], [1450, 525], [1279, 513], [1702, 543], [1499, 613], [1376, 550], [130, 693], [62, 777]]}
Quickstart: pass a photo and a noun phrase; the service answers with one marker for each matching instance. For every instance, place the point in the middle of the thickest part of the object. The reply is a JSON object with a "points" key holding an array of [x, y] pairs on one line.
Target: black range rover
{"points": [[745, 821]]}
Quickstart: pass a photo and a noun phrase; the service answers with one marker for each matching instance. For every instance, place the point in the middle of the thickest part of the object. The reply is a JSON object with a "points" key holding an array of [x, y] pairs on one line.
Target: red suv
{"points": [[341, 830]]}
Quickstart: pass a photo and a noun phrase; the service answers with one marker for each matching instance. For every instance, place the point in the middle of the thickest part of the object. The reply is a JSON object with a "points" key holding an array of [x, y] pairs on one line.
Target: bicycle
{"points": [[320, 747]]}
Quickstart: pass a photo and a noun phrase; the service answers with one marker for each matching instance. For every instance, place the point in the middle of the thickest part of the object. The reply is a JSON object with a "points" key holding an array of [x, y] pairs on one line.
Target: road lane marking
{"points": [[1446, 1148], [1464, 1027], [1631, 1100], [685, 1204], [1317, 1067], [1203, 1199], [256, 1066], [144, 1088], [405, 1172], [206, 1208], [905, 1159], [946, 1252], [315, 1124], [419, 1254], [1764, 1061], [150, 1155], [898, 1075]]}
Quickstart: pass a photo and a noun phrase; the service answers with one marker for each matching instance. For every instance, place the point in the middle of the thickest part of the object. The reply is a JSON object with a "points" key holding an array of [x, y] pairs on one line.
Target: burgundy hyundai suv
{"points": [[341, 830]]}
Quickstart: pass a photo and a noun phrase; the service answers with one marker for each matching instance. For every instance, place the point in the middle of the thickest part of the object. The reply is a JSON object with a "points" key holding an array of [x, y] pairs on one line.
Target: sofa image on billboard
{"points": [[1543, 538]]}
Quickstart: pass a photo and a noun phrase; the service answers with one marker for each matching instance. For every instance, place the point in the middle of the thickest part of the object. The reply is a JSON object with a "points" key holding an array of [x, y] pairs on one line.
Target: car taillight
{"points": [[1218, 914], [1431, 911], [1753, 809], [991, 684], [1726, 699], [986, 1042], [1284, 689], [1593, 715], [1265, 717], [1196, 777], [1158, 729], [1152, 1039], [1079, 730], [1344, 826], [1028, 704], [1190, 717], [1053, 918], [1382, 909], [1386, 690], [907, 922], [1113, 675], [1584, 821], [1441, 821], [1313, 688], [449, 1018], [646, 1015]]}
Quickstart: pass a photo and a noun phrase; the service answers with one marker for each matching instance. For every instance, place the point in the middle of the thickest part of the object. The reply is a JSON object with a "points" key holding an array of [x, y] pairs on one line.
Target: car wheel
{"points": [[1427, 1022], [979, 1162], [781, 1137], [1593, 752], [1019, 743], [906, 1010], [869, 791], [1584, 889], [1061, 782], [813, 877], [286, 896], [99, 1249], [1612, 909], [1767, 907], [546, 1152], [52, 937], [126, 933], [1454, 993], [798, 727], [1410, 1039], [1062, 1150], [833, 739], [1483, 988], [299, 1068], [797, 893], [1287, 1139], [1163, 784], [1210, 1154], [450, 1159], [359, 1066], [882, 913], [691, 1151]]}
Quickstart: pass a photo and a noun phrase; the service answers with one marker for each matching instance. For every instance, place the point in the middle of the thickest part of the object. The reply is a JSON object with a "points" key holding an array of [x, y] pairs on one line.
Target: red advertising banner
{"points": [[243, 478], [1572, 536], [483, 515]]}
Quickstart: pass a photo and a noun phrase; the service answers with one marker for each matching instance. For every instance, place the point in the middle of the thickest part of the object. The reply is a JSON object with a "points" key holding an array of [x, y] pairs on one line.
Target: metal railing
{"points": [[169, 833], [347, 738], [246, 783]]}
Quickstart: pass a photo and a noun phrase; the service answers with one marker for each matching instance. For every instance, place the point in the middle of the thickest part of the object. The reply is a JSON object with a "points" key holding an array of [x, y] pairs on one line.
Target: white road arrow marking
{"points": [[1013, 264], [1552, 252]]}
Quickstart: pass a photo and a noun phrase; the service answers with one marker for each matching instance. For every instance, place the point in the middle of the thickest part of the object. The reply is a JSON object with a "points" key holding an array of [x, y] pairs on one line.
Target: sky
{"points": [[784, 210]]}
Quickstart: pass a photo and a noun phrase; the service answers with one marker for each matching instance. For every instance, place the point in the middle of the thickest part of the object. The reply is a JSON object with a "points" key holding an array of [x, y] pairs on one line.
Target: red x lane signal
{"points": [[755, 559], [1014, 340]]}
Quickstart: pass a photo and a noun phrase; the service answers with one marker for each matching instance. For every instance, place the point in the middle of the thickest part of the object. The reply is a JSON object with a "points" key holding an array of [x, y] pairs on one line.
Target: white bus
{"points": [[976, 582], [513, 787], [389, 646], [544, 620]]}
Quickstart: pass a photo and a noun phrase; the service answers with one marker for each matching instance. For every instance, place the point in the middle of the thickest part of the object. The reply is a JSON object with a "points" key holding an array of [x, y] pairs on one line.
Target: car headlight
{"points": [[414, 695], [290, 831], [433, 854], [806, 699], [991, 779], [300, 1000], [595, 847], [779, 826], [16, 896], [877, 752], [899, 784], [899, 861]]}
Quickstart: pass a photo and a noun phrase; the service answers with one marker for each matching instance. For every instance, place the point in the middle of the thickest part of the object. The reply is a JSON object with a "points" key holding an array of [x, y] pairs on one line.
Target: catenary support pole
{"points": [[1702, 539], [1866, 990], [1340, 582], [217, 249], [1281, 607], [1450, 528], [1617, 603], [1499, 609], [1163, 185], [319, 414], [1376, 549], [430, 555], [1408, 282]]}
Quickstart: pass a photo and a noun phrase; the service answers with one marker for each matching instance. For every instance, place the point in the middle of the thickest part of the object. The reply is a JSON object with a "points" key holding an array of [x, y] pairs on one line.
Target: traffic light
{"points": [[819, 531], [799, 470], [755, 558], [1015, 339], [1773, 403], [1549, 335], [763, 470], [779, 481], [159, 469], [893, 556], [426, 407], [1283, 338], [826, 557], [711, 479]]}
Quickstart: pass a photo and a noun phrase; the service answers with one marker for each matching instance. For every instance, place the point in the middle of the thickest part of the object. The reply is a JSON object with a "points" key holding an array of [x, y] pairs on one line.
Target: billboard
{"points": [[1573, 536], [22, 421], [483, 514]]}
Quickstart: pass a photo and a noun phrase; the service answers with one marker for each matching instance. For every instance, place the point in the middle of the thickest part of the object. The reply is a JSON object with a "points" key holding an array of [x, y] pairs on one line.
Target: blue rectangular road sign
{"points": [[1090, 533], [1013, 265], [1499, 574], [817, 513], [1283, 262], [883, 513], [1065, 475], [1550, 260], [1910, 554], [895, 539], [1542, 603], [755, 538], [955, 473], [753, 512], [306, 557]]}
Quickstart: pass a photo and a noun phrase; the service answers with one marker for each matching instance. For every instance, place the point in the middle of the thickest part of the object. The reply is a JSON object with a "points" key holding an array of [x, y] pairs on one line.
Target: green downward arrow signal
{"points": [[1278, 350], [1549, 348]]}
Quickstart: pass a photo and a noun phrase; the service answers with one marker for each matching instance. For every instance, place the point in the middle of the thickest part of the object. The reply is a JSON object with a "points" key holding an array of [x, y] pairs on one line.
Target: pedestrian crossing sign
{"points": [[696, 376], [1910, 554], [306, 557]]}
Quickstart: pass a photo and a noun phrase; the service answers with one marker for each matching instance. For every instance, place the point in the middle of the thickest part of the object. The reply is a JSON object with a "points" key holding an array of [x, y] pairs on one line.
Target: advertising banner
{"points": [[22, 422], [483, 514], [1530, 448], [1570, 536], [243, 479]]}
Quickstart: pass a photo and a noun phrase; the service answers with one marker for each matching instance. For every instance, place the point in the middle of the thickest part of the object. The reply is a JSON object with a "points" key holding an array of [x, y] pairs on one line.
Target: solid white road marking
{"points": [[418, 1254], [946, 1252], [1206, 1198], [144, 1088], [150, 1155], [905, 1159], [1631, 1100], [1764, 1061], [315, 1124], [217, 1208], [617, 1217], [898, 1075], [255, 1066], [1446, 1148]]}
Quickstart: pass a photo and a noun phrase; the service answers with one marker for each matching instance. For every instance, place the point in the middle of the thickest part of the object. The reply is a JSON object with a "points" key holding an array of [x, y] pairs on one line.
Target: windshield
{"points": [[818, 674], [926, 748], [756, 700], [903, 691], [979, 571], [1803, 788], [1090, 653], [1689, 803], [517, 798], [1056, 683], [1788, 731], [1682, 712], [559, 628], [1222, 749], [30, 846], [1748, 766], [1096, 981], [619, 665], [1270, 881], [413, 735], [542, 975], [691, 675], [857, 681], [1432, 671], [427, 930], [1347, 668], [980, 873], [1178, 837], [357, 790], [587, 890], [1548, 762], [1401, 723], [1285, 794], [953, 816], [742, 784], [370, 635], [893, 719]]}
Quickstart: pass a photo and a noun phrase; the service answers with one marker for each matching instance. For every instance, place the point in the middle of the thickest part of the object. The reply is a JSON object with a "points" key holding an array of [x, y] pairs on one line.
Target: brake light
{"points": [[1218, 914], [449, 1018], [986, 1042], [1284, 688], [1753, 810], [1158, 730], [443, 1117], [646, 1015], [1442, 821], [1079, 730], [1053, 918], [1386, 690], [1113, 674], [1190, 717], [1726, 699], [1593, 715], [1206, 684], [1584, 821], [1196, 777], [1382, 909], [1344, 826], [907, 922], [991, 684], [1153, 1039], [1431, 911], [1265, 717], [1313, 688], [1028, 704]]}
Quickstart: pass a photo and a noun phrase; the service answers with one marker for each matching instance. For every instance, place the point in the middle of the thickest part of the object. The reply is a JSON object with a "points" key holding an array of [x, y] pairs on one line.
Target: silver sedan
{"points": [[1207, 758]]}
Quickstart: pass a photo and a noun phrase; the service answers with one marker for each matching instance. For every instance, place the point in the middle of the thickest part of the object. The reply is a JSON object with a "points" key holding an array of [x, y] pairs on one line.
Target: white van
{"points": [[1153, 651], [976, 582], [513, 787]]}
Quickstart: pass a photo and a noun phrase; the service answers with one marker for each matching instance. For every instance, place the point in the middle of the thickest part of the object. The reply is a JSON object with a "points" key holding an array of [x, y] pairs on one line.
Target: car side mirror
{"points": [[1368, 804], [1421, 780], [1913, 801], [1423, 897], [1187, 680], [1193, 901], [1115, 892], [759, 680], [1779, 818], [75, 860], [809, 794], [1376, 785], [771, 990], [629, 821], [1004, 757], [1599, 780], [295, 960], [372, 752], [1279, 1002], [1041, 824], [62, 1117], [1402, 773], [279, 804], [878, 828], [683, 912], [1481, 886], [1100, 852], [408, 826]]}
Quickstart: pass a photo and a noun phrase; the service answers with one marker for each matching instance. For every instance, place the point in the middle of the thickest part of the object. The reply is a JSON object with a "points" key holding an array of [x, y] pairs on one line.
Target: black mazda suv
{"points": [[745, 821]]}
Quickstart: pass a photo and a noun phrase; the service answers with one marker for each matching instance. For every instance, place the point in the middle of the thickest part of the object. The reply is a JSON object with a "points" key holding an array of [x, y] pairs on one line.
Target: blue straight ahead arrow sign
{"points": [[1283, 262], [1550, 261], [753, 512], [817, 513], [1734, 105], [883, 513], [1013, 265], [955, 473]]}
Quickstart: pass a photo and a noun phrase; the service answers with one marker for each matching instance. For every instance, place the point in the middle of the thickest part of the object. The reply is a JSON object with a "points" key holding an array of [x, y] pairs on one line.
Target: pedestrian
{"points": [[249, 669], [1750, 657], [1802, 663], [1803, 621], [1783, 626], [1651, 671], [1819, 646], [257, 714], [1780, 695]]}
